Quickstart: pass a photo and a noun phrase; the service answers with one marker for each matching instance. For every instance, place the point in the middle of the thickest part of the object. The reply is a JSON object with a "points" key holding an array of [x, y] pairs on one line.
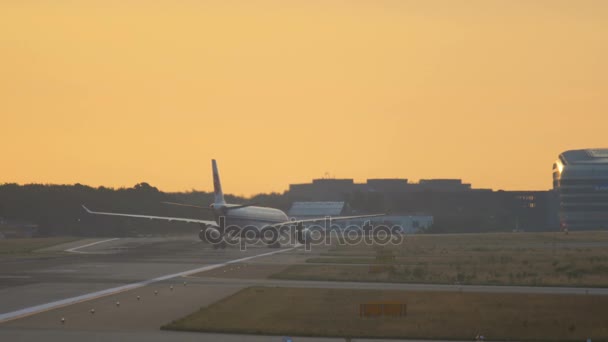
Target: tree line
{"points": [[56, 209]]}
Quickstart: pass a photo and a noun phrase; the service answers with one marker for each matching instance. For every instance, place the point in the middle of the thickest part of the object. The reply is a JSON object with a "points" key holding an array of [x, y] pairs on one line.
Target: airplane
{"points": [[260, 219]]}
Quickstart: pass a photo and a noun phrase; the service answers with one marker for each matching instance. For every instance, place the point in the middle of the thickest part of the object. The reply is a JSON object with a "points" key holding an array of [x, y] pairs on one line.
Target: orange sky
{"points": [[280, 92]]}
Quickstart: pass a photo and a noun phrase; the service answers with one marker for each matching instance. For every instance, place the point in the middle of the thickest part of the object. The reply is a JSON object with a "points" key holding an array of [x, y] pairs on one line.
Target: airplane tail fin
{"points": [[217, 185]]}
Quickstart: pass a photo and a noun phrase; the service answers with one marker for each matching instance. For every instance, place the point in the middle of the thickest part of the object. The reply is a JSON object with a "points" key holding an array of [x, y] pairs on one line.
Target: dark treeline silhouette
{"points": [[57, 210]]}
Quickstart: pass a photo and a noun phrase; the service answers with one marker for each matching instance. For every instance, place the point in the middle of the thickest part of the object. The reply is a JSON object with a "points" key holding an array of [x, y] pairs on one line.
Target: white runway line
{"points": [[83, 298], [75, 249]]}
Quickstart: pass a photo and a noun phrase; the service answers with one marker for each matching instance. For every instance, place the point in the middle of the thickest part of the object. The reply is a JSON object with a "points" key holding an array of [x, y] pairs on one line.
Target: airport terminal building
{"points": [[580, 178], [409, 223], [444, 205]]}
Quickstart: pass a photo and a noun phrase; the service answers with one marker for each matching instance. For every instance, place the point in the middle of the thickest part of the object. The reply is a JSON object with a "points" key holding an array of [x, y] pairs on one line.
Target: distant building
{"points": [[408, 223], [450, 204], [329, 189], [386, 185], [446, 185], [307, 210], [324, 189], [580, 178]]}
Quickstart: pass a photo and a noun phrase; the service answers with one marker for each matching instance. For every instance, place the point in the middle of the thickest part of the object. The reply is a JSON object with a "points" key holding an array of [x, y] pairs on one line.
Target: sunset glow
{"points": [[118, 92]]}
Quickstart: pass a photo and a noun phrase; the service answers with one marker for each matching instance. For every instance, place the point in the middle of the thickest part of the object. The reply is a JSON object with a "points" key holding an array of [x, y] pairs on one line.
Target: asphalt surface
{"points": [[33, 281], [38, 292], [135, 285], [157, 336]]}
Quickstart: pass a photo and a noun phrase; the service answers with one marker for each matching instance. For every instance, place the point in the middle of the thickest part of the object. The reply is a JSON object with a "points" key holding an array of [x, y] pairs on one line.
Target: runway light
{"points": [[184, 283], [155, 293], [138, 298], [62, 320], [117, 304], [171, 288], [92, 311]]}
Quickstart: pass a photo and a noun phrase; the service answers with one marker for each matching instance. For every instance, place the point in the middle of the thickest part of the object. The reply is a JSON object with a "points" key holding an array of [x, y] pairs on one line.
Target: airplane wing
{"points": [[322, 219], [178, 219]]}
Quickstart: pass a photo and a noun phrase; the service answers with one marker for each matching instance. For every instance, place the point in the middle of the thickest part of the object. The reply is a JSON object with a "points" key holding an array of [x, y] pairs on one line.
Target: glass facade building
{"points": [[580, 178]]}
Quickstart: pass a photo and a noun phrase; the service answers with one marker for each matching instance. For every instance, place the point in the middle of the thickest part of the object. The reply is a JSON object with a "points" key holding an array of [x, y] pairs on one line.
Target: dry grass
{"points": [[547, 259], [430, 315]]}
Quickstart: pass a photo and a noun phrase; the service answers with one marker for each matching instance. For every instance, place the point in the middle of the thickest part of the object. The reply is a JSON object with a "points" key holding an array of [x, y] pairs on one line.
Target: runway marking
{"points": [[75, 249], [58, 270], [9, 316]]}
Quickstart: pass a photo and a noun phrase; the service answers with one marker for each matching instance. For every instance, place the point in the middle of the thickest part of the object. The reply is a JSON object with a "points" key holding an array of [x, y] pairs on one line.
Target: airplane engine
{"points": [[209, 232], [270, 236]]}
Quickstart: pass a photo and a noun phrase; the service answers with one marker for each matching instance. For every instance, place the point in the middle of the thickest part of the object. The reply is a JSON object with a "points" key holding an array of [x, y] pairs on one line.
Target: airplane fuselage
{"points": [[258, 217]]}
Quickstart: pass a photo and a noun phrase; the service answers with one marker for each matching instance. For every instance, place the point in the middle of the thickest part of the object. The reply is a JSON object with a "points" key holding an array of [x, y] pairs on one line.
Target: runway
{"points": [[31, 282], [115, 290], [136, 285], [110, 270], [161, 336]]}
